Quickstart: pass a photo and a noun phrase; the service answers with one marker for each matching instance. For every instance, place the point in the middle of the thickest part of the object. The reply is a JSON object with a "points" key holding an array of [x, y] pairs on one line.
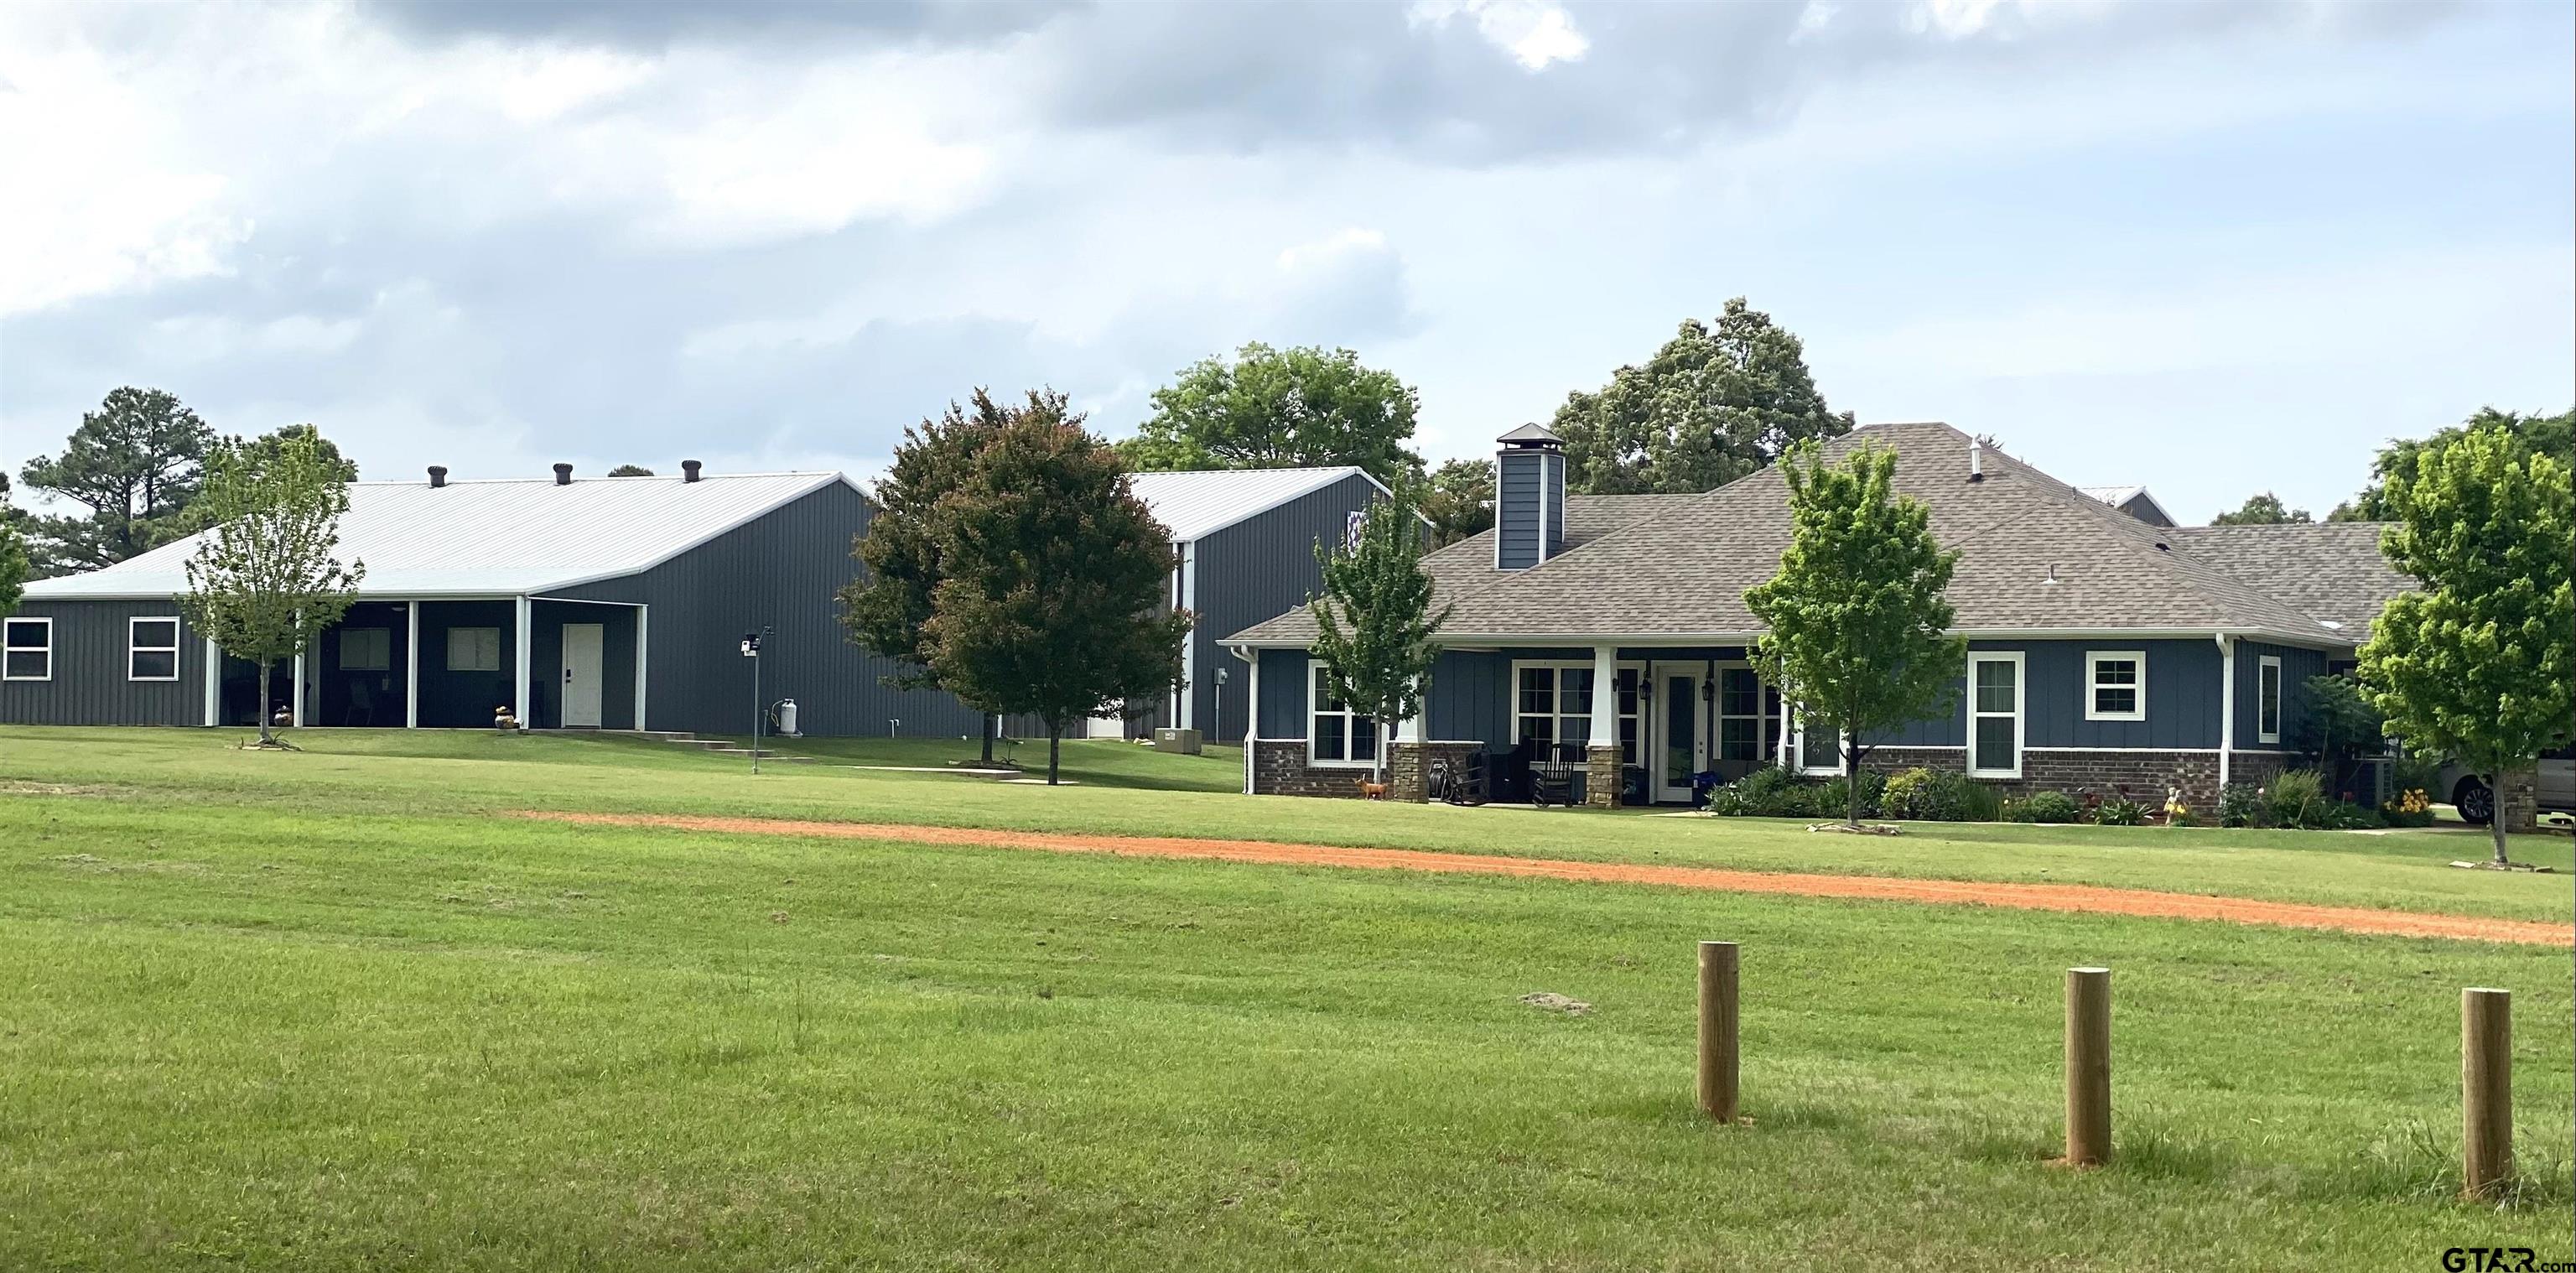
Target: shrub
{"points": [[1727, 801], [1832, 799], [2241, 805], [2119, 812], [1979, 802], [1924, 795], [2296, 798], [2043, 806]]}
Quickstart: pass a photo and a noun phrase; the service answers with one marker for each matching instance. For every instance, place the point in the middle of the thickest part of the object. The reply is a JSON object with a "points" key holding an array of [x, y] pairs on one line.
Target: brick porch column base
{"points": [[1601, 778], [2518, 803]]}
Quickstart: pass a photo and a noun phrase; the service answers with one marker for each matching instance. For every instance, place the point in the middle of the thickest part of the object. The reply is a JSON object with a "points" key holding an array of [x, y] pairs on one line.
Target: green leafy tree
{"points": [[2265, 509], [888, 607], [134, 463], [1373, 622], [267, 576], [1052, 578], [13, 554], [259, 452], [2337, 723], [1858, 623], [2481, 664], [1280, 408], [1712, 405], [2550, 435], [1459, 500], [630, 470]]}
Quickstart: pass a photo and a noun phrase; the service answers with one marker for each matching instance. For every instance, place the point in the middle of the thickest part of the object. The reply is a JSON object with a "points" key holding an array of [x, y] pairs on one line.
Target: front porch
{"points": [[454, 663]]}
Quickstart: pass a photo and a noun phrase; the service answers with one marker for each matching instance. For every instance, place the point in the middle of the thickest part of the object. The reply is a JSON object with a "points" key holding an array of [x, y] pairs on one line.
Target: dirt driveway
{"points": [[2040, 897]]}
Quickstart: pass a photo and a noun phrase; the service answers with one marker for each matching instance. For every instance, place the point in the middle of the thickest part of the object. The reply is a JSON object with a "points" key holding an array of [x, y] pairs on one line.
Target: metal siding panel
{"points": [[1470, 698], [1552, 490], [783, 570], [1257, 570], [89, 686], [2182, 696]]}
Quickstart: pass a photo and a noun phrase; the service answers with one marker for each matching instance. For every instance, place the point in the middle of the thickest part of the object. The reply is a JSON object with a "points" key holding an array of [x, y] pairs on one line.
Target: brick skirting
{"points": [[1280, 769], [1408, 766], [2144, 774]]}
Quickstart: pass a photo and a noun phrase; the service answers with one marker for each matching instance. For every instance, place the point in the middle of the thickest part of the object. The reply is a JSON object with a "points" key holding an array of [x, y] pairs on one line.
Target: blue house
{"points": [[1609, 633]]}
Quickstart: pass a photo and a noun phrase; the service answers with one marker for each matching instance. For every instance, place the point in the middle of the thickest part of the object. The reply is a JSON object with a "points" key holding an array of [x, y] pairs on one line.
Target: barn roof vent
{"points": [[689, 470], [563, 475], [437, 476]]}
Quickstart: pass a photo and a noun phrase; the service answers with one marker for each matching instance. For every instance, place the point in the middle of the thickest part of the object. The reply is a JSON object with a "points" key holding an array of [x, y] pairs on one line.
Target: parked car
{"points": [[2468, 793]]}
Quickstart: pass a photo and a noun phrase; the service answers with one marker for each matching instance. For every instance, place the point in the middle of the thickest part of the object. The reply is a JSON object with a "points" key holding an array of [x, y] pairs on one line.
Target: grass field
{"points": [[324, 1010]]}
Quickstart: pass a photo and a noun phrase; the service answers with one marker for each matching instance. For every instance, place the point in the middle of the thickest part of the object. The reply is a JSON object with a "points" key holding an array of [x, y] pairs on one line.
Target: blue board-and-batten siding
{"points": [[1517, 505], [90, 684], [1254, 570], [1472, 692]]}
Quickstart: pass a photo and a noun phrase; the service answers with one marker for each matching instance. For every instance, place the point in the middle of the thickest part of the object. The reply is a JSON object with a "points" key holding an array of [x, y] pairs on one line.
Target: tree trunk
{"points": [[1055, 741], [2495, 814], [1851, 778], [987, 720], [265, 737]]}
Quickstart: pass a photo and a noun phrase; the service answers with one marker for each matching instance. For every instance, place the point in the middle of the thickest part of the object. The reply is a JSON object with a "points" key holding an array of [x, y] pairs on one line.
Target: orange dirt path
{"points": [[2085, 898]]}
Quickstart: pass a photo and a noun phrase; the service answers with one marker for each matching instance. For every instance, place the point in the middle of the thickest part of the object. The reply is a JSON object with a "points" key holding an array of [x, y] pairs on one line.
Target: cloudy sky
{"points": [[2208, 247]]}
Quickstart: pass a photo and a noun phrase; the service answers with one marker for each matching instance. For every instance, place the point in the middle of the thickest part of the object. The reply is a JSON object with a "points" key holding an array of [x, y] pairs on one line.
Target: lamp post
{"points": [[751, 651], [1217, 718]]}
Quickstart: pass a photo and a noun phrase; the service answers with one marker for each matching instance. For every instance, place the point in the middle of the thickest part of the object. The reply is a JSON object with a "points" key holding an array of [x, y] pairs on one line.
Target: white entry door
{"points": [[585, 667], [1681, 748]]}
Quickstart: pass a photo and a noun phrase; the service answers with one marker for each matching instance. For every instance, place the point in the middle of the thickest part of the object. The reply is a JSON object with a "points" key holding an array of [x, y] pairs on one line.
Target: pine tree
{"points": [[135, 462], [267, 576], [1858, 638], [1374, 622], [1052, 578]]}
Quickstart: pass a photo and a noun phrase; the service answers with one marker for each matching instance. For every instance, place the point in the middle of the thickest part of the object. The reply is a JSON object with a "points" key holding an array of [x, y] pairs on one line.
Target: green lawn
{"points": [[322, 1011]]}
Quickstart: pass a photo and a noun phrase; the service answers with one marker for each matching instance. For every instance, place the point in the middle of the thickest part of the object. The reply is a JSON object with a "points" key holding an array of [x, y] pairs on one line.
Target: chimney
{"points": [[689, 470], [1529, 498], [1976, 460], [437, 476], [563, 475]]}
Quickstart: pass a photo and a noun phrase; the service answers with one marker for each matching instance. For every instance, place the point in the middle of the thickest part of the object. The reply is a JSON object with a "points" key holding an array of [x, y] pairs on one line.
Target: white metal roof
{"points": [[1195, 504], [496, 538]]}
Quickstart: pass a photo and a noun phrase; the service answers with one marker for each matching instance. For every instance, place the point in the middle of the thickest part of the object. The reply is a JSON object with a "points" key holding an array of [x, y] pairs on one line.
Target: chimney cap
{"points": [[437, 476], [1535, 437], [689, 470], [563, 475]]}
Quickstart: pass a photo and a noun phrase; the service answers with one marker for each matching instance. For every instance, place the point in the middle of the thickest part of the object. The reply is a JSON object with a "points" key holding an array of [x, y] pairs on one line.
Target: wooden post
{"points": [[2486, 1089], [1717, 1037], [2088, 1066]]}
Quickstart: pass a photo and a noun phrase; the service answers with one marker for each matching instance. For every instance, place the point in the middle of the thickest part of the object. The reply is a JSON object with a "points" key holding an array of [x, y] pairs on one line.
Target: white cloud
{"points": [[1535, 32]]}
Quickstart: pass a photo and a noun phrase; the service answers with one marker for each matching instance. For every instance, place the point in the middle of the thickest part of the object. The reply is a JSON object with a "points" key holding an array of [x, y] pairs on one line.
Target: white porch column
{"points": [[2226, 707], [1605, 696], [411, 665], [295, 710], [1251, 717], [1186, 711], [214, 683], [519, 705], [643, 649]]}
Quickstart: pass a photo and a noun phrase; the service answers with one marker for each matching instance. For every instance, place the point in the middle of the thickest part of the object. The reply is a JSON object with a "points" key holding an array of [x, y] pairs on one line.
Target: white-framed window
{"points": [[1336, 734], [27, 649], [152, 648], [1825, 757], [2115, 685], [1552, 703], [1994, 713], [2267, 698], [473, 649], [368, 650]]}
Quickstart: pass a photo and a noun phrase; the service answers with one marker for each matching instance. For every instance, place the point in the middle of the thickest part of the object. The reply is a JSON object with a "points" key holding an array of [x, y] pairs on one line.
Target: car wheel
{"points": [[2474, 801]]}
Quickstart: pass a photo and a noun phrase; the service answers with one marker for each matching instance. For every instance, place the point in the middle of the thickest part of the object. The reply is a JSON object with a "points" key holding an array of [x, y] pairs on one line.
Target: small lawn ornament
{"points": [[2176, 812], [504, 720], [282, 718]]}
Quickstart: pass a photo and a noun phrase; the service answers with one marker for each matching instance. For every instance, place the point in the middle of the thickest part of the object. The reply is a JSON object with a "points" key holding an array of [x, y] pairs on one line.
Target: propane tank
{"points": [[785, 715]]}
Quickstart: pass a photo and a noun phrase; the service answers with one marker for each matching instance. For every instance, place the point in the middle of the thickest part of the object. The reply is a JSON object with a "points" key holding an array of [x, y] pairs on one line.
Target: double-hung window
{"points": [[2267, 698], [1336, 734], [1994, 713], [27, 650], [2115, 685], [152, 648], [1555, 706]]}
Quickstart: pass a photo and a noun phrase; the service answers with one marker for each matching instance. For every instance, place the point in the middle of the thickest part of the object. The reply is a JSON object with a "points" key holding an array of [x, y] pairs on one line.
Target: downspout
{"points": [[2226, 705]]}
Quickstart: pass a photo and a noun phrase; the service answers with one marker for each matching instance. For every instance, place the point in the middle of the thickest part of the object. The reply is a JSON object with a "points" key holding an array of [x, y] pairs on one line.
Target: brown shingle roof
{"points": [[1677, 566], [2333, 571]]}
